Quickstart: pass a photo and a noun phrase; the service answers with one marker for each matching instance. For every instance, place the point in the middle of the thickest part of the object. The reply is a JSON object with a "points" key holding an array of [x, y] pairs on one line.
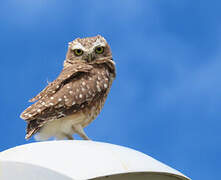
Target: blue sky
{"points": [[166, 98]]}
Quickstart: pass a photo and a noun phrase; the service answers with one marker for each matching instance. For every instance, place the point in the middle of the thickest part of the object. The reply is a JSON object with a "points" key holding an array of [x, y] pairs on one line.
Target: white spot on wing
{"points": [[107, 73], [98, 88]]}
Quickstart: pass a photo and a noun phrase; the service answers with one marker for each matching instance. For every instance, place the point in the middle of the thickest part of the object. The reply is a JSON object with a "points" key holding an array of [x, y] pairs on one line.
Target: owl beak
{"points": [[90, 57]]}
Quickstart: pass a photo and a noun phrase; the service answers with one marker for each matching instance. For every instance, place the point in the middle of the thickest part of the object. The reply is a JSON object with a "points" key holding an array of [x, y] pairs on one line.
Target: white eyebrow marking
{"points": [[76, 45], [98, 42]]}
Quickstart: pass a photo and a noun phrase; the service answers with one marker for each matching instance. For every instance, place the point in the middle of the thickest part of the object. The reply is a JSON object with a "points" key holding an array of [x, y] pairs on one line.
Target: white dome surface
{"points": [[78, 159]]}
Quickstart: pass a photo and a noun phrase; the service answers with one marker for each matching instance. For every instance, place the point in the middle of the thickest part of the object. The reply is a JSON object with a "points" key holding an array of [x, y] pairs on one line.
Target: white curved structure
{"points": [[80, 160]]}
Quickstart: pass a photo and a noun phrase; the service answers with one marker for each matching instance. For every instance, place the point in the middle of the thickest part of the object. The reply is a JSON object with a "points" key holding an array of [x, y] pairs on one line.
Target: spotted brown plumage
{"points": [[76, 97]]}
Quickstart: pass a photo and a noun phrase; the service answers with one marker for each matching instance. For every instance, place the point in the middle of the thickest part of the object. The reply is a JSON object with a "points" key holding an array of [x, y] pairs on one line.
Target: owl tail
{"points": [[33, 127]]}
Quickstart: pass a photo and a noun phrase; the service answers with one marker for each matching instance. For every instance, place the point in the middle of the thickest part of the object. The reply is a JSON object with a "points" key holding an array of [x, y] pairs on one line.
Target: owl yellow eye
{"points": [[99, 50], [78, 52]]}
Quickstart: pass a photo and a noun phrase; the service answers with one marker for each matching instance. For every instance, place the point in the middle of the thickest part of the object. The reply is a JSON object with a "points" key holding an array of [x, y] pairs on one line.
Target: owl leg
{"points": [[69, 137], [80, 131]]}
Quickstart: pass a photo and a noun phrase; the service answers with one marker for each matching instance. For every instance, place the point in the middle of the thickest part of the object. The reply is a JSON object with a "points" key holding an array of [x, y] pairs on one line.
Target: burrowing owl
{"points": [[76, 97]]}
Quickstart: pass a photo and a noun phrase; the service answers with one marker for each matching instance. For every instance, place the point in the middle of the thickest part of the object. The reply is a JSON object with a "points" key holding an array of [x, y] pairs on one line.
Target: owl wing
{"points": [[67, 73], [75, 93]]}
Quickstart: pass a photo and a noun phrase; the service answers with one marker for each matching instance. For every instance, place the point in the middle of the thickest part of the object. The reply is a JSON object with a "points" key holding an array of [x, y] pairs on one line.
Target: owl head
{"points": [[88, 49]]}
